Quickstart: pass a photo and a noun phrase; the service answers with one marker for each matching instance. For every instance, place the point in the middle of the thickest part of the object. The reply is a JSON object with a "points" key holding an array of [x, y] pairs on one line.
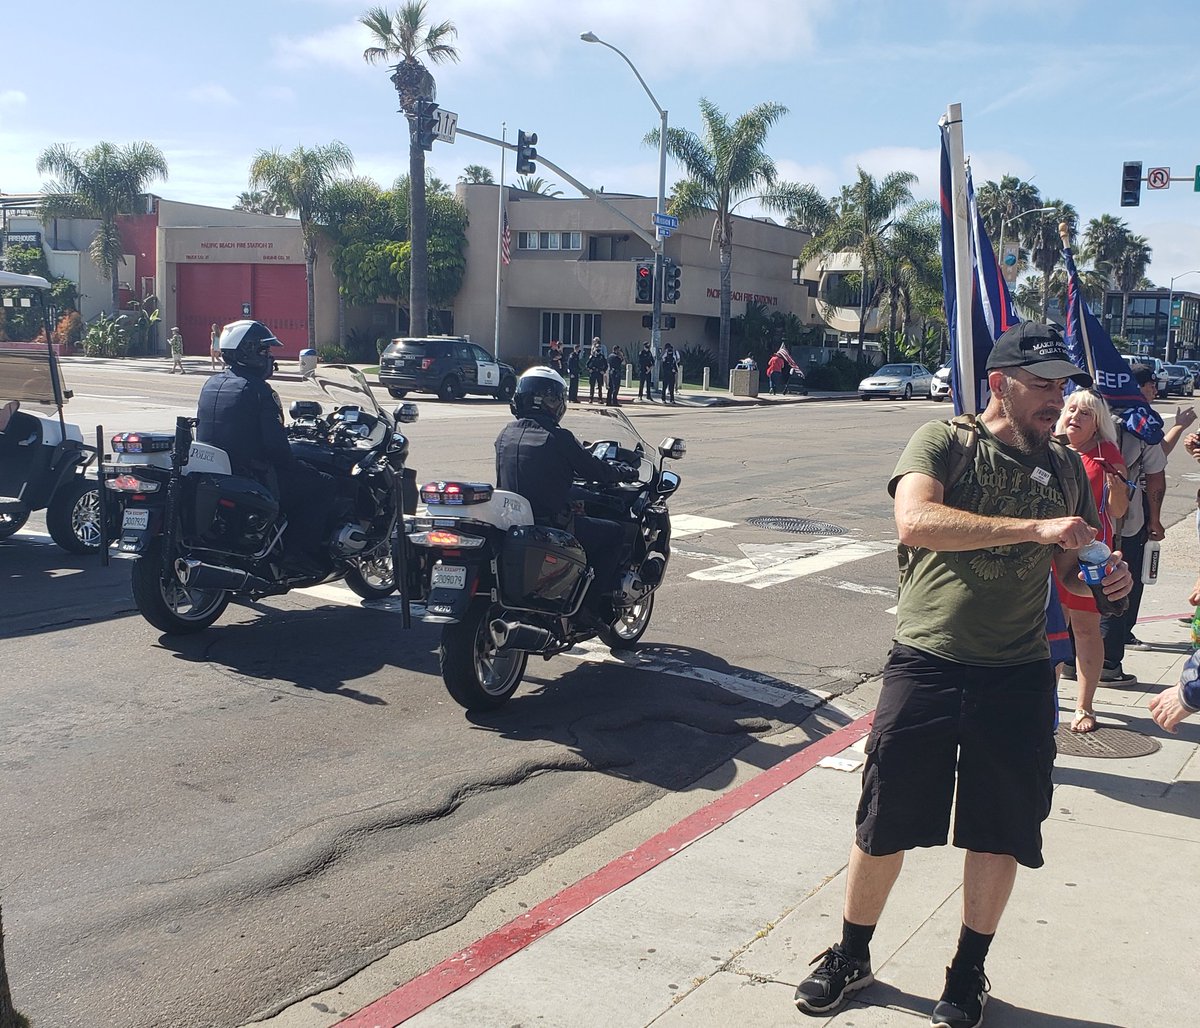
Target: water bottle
{"points": [[1093, 559], [1150, 562], [1196, 628]]}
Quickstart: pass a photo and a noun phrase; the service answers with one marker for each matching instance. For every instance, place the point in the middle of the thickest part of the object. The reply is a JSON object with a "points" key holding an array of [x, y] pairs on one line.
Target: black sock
{"points": [[972, 950], [856, 939]]}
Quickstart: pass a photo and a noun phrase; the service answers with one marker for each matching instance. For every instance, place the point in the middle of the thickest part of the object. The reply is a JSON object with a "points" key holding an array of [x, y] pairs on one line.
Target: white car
{"points": [[897, 381], [939, 387]]}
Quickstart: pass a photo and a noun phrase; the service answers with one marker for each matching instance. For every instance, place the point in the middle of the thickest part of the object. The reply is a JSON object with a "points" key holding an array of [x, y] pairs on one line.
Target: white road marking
{"points": [[690, 524], [854, 587], [749, 685], [775, 565]]}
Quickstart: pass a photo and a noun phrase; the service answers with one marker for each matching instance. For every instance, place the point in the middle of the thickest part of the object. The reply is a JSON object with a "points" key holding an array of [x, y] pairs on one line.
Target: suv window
{"points": [[481, 354]]}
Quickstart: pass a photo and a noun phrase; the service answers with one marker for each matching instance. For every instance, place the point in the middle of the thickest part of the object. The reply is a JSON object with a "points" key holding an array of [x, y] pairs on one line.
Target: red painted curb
{"points": [[468, 964]]}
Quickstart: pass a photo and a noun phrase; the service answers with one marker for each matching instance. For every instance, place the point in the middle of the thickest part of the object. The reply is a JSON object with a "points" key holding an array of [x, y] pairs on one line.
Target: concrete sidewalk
{"points": [[720, 928]]}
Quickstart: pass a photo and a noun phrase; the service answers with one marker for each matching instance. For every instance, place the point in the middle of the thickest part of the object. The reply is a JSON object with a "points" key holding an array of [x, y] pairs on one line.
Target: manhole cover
{"points": [[1105, 742], [799, 526]]}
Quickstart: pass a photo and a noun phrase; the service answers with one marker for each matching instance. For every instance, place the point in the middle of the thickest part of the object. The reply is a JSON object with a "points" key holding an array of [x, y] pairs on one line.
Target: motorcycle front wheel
{"points": [[477, 676], [371, 576], [168, 604], [629, 625]]}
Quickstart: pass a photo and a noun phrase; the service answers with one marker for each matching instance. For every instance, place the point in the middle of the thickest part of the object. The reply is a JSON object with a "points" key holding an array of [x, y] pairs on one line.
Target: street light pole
{"points": [[1004, 225], [656, 308], [1170, 301]]}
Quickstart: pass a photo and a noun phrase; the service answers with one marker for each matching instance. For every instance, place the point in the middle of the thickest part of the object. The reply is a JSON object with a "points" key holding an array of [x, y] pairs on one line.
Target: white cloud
{"points": [[212, 95], [12, 98], [341, 47]]}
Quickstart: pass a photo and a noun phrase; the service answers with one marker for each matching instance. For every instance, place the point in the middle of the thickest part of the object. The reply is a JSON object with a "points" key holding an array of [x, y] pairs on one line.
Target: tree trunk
{"points": [[1125, 307], [115, 282], [9, 1018], [418, 283], [726, 252], [310, 274]]}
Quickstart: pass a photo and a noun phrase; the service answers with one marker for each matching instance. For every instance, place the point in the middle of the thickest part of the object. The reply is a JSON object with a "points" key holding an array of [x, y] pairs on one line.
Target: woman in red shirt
{"points": [[1086, 426]]}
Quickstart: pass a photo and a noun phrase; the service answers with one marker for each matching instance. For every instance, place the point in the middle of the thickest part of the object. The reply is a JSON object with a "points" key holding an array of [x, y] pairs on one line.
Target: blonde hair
{"points": [[1089, 399]]}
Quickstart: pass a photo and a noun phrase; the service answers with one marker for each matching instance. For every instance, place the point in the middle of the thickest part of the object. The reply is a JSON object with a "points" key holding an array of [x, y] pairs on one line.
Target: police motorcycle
{"points": [[44, 460], [504, 588], [203, 536]]}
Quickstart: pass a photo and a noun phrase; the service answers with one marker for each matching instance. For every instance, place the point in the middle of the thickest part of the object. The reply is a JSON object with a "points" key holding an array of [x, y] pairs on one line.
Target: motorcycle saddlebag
{"points": [[540, 569], [231, 512]]}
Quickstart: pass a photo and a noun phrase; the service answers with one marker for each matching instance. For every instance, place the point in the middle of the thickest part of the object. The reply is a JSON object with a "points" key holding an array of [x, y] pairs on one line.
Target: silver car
{"points": [[939, 386], [896, 381]]}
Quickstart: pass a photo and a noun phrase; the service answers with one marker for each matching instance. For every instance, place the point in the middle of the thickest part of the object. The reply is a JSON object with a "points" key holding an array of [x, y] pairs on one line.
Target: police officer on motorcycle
{"points": [[240, 413], [539, 459]]}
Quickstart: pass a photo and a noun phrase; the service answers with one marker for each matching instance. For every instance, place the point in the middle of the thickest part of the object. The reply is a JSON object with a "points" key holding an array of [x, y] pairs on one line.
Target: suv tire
{"points": [[398, 394], [508, 386], [449, 389]]}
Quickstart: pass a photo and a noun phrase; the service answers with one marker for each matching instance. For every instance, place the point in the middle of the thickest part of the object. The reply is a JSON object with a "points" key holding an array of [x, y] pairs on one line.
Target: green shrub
{"points": [[360, 346], [331, 353], [381, 344], [69, 329], [107, 337], [694, 360], [841, 374]]}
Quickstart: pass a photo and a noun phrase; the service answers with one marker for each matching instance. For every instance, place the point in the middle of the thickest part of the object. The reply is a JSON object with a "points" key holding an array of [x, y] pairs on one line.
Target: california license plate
{"points": [[448, 576], [135, 519]]}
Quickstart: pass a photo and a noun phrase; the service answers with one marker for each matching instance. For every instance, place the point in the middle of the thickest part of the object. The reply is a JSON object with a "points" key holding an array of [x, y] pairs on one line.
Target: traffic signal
{"points": [[1131, 184], [425, 121], [671, 282], [643, 282], [668, 322], [647, 321], [526, 154]]}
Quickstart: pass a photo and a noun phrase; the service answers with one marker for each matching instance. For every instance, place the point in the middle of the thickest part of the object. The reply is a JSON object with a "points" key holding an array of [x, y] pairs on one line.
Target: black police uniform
{"points": [[242, 415], [539, 461]]}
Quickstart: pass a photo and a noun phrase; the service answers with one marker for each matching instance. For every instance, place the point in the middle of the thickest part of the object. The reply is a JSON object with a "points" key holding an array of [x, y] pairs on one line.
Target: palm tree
{"points": [[300, 182], [259, 201], [1103, 240], [477, 174], [408, 36], [726, 165], [999, 202], [865, 218], [1045, 244], [909, 262], [100, 183], [1129, 268], [537, 184]]}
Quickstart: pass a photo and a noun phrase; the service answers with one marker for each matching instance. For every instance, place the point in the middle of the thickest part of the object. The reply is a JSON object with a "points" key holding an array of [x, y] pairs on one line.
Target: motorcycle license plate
{"points": [[135, 519], [448, 576]]}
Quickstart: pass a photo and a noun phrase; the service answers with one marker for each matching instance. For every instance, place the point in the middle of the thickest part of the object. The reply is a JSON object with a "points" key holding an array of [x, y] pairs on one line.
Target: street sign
{"points": [[663, 232], [447, 122], [1158, 178], [1196, 187], [666, 220], [1009, 261]]}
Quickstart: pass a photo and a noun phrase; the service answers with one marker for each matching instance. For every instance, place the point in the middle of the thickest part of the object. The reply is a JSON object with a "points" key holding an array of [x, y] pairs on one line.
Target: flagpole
{"points": [[964, 342], [499, 242], [1064, 233]]}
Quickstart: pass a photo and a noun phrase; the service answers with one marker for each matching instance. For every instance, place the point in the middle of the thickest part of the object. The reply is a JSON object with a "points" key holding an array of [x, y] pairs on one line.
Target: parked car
{"points": [[450, 366], [939, 386], [898, 381], [1158, 367], [1180, 380], [1194, 368]]}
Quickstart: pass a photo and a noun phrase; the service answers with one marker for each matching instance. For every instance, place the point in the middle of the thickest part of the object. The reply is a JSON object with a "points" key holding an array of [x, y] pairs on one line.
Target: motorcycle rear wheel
{"points": [[371, 576], [476, 675], [73, 517], [630, 624], [167, 603], [11, 524]]}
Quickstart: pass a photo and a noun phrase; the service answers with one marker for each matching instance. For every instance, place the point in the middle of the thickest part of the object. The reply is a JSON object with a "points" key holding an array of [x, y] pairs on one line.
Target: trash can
{"points": [[743, 382], [308, 361]]}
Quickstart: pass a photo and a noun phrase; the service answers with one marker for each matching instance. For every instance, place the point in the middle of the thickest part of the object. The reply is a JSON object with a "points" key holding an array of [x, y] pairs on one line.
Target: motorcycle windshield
{"points": [[344, 386], [592, 425]]}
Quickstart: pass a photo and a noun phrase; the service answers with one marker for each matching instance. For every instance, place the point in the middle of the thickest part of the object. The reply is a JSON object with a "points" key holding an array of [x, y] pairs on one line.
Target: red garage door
{"points": [[207, 293]]}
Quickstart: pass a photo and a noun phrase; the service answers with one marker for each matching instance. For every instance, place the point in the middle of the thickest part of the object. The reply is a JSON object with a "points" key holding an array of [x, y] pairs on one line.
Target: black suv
{"points": [[450, 366]]}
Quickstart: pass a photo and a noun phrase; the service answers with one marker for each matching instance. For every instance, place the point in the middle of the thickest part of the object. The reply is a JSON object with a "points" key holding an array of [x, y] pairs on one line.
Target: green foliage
{"points": [[361, 347], [69, 329], [332, 353], [26, 260], [107, 337], [841, 374], [381, 344], [694, 360]]}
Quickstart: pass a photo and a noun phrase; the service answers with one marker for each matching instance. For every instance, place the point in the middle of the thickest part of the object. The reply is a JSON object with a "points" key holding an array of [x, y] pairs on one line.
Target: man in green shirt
{"points": [[968, 698]]}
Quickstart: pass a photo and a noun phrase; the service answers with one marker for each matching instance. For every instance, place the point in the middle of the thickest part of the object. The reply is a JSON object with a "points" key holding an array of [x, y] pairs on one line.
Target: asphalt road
{"points": [[202, 831]]}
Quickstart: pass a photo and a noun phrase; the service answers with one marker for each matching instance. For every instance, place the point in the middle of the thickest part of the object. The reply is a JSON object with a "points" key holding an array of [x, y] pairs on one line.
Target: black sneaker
{"points": [[1134, 643], [838, 975], [963, 998], [1116, 676]]}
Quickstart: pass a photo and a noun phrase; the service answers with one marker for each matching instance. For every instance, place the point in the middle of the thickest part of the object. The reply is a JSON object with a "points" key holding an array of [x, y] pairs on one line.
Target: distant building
{"points": [[1147, 322]]}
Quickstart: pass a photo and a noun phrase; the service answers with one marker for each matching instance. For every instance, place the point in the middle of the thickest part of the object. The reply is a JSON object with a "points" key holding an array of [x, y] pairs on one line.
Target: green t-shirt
{"points": [[985, 606]]}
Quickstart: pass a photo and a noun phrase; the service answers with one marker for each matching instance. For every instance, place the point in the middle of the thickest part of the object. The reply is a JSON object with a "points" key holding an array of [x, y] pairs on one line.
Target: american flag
{"points": [[505, 239], [791, 361]]}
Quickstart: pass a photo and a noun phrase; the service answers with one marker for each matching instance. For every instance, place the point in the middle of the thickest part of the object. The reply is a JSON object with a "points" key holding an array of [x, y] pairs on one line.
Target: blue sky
{"points": [[1061, 92]]}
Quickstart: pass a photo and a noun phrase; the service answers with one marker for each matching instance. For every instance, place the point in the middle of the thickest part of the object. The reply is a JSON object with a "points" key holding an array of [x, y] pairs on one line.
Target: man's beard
{"points": [[1029, 440]]}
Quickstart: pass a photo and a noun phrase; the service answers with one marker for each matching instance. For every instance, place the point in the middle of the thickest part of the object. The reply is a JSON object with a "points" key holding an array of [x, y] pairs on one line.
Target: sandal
{"points": [[1084, 722]]}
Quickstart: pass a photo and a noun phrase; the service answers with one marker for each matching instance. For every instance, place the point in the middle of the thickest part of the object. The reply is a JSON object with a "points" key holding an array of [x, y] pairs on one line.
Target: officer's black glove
{"points": [[628, 472]]}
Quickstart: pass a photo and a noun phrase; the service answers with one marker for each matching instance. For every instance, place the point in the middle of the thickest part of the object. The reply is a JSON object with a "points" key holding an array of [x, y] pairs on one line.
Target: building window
{"points": [[527, 240], [548, 241], [572, 241], [569, 328]]}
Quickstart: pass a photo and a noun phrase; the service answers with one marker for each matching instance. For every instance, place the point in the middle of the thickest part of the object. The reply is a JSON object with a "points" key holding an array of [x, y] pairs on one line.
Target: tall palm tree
{"points": [[725, 165], [259, 201], [1045, 244], [865, 219], [407, 35], [999, 202], [300, 182], [477, 174], [1103, 240], [100, 183], [909, 262], [537, 184], [1129, 268]]}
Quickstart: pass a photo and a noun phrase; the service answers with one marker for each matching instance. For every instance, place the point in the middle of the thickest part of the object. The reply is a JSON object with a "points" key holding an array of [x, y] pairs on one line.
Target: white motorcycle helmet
{"points": [[248, 344]]}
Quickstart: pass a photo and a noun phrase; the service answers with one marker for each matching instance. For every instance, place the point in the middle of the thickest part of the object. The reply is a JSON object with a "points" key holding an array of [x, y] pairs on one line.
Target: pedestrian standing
{"points": [[966, 715], [574, 367], [645, 364], [214, 347], [668, 373], [775, 374], [554, 358], [616, 368], [597, 365], [176, 344]]}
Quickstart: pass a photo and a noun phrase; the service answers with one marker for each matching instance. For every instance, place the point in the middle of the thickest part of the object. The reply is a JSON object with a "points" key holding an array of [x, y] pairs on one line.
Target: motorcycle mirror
{"points": [[406, 414], [304, 409], [672, 448]]}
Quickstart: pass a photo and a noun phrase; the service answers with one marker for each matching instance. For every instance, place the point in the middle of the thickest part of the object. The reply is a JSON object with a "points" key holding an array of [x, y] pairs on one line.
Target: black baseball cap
{"points": [[1037, 348]]}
